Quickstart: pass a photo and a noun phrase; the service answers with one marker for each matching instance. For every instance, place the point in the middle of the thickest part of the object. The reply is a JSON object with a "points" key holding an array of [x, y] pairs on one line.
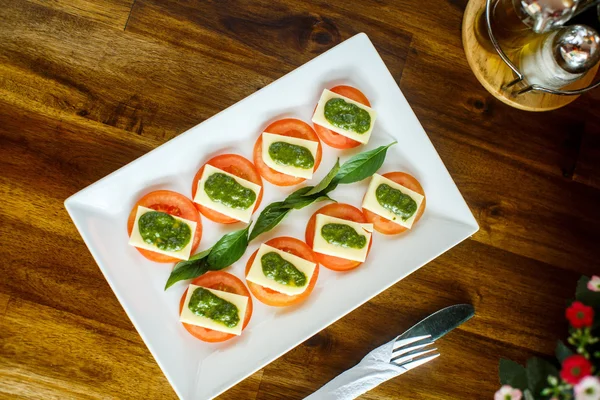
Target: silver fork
{"points": [[406, 352]]}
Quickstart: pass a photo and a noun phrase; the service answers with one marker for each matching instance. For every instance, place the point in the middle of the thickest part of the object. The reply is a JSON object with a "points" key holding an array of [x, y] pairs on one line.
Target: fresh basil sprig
{"points": [[327, 184], [228, 249], [231, 247], [268, 219], [362, 165], [189, 269]]}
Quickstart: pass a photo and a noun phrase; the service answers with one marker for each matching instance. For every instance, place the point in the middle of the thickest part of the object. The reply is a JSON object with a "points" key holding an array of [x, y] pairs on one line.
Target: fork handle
{"points": [[356, 381]]}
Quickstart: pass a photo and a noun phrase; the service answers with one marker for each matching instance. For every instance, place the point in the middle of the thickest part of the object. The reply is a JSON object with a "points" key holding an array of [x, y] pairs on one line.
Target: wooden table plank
{"points": [[272, 38], [112, 12], [110, 76], [73, 356], [513, 180], [80, 97], [587, 170]]}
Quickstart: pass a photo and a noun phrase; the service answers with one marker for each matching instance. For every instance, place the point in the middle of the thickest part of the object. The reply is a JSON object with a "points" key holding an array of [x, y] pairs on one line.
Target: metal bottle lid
{"points": [[576, 48], [545, 15]]}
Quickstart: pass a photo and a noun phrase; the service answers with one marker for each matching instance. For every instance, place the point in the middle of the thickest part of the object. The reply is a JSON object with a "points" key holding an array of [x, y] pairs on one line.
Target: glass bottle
{"points": [[558, 58], [516, 22]]}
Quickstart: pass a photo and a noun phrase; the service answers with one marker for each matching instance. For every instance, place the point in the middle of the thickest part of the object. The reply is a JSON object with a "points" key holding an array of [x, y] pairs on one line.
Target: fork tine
{"points": [[410, 357], [405, 342], [416, 363], [403, 350]]}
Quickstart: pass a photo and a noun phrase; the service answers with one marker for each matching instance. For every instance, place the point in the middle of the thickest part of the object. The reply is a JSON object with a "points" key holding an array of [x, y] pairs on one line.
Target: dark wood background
{"points": [[86, 86]]}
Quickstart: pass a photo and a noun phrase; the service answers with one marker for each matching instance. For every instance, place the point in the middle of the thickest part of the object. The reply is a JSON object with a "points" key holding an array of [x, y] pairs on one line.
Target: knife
{"points": [[440, 322], [376, 367]]}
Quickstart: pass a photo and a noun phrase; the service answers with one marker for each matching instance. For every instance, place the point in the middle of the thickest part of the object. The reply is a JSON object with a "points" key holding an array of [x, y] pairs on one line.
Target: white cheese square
{"points": [[320, 245], [203, 199], [370, 200], [136, 238], [241, 302], [319, 117], [256, 274], [270, 138]]}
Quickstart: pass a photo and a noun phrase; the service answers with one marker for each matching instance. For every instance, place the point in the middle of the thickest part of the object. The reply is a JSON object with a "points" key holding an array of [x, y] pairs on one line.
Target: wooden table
{"points": [[86, 86]]}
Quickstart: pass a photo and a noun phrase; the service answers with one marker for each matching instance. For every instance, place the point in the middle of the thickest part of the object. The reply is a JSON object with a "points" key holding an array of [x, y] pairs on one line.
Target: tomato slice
{"points": [[285, 127], [236, 165], [337, 210], [226, 282], [335, 139], [272, 297], [171, 203], [384, 225]]}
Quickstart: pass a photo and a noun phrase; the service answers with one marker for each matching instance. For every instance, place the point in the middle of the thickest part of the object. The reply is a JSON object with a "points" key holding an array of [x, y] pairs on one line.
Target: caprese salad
{"points": [[166, 227]]}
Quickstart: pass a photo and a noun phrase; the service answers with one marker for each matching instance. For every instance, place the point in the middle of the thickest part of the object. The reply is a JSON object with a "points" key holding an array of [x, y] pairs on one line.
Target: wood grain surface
{"points": [[87, 86]]}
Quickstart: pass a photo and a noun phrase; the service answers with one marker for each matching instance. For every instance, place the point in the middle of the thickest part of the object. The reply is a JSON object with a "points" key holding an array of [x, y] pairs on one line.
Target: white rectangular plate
{"points": [[201, 370]]}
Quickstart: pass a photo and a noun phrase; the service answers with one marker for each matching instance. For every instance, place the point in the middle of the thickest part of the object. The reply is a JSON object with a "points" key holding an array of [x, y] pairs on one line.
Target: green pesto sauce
{"points": [[395, 201], [224, 189], [282, 271], [343, 235], [206, 304], [292, 155], [347, 116], [163, 231]]}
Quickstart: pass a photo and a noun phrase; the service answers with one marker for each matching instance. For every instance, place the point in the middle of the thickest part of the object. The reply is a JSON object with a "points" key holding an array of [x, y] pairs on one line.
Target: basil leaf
{"points": [[562, 351], [269, 218], [327, 184], [301, 198], [362, 165], [190, 269], [228, 249], [538, 371], [512, 374]]}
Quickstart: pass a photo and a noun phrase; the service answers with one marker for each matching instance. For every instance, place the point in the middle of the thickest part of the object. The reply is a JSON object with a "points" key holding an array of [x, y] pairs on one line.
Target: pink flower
{"points": [[508, 393], [594, 284], [588, 389]]}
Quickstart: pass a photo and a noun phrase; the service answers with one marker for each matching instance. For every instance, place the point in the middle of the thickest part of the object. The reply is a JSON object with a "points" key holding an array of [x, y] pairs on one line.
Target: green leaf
{"points": [[512, 374], [528, 395], [327, 184], [228, 249], [190, 269], [362, 165], [537, 374], [300, 199], [585, 295], [269, 218], [562, 351]]}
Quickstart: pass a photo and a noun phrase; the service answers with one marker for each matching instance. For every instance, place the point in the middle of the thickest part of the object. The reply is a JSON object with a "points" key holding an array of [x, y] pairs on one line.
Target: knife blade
{"points": [[440, 322]]}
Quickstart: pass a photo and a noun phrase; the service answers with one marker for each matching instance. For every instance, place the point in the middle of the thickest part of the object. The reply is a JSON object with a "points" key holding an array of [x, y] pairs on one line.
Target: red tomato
{"points": [[337, 210], [274, 298], [171, 203], [384, 225], [335, 139], [285, 127], [226, 282], [236, 165]]}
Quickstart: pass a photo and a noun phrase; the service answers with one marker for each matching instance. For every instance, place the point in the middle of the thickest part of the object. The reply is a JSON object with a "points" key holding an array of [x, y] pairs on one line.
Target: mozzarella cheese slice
{"points": [[136, 238], [370, 200], [319, 117], [187, 316], [269, 138], [320, 245], [203, 199], [256, 274]]}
